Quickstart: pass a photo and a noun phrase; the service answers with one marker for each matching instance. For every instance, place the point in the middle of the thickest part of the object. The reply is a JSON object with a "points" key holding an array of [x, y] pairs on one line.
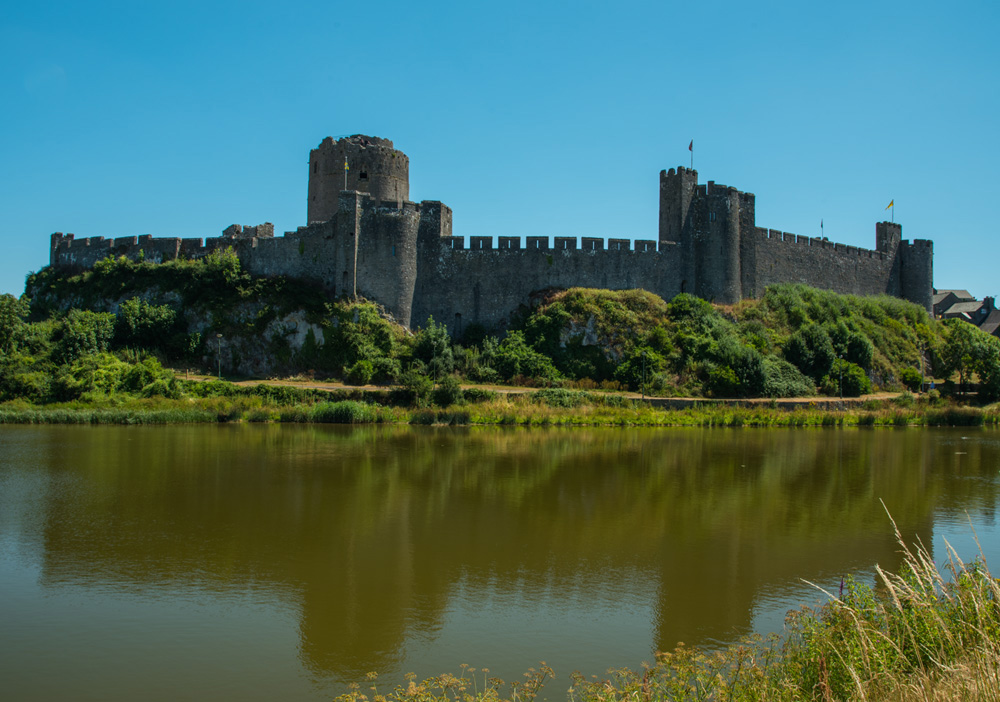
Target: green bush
{"points": [[361, 373], [514, 357], [855, 380], [480, 395], [911, 378], [782, 379], [559, 397], [346, 412], [83, 333], [414, 391], [13, 312], [449, 392], [140, 324], [810, 350], [433, 346]]}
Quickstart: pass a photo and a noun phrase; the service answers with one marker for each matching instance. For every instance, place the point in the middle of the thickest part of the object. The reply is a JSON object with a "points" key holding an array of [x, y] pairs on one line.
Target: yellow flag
{"points": [[890, 203], [345, 165]]}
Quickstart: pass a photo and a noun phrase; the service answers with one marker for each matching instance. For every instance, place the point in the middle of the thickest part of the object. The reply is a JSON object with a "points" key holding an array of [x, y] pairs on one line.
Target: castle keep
{"points": [[364, 237]]}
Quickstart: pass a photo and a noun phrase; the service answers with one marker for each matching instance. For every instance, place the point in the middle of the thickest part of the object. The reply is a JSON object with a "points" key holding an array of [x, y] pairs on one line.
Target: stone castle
{"points": [[364, 237]]}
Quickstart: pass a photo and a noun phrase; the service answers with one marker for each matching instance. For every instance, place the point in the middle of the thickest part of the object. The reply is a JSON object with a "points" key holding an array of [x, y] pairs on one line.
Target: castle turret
{"points": [[717, 271], [887, 237], [916, 272], [677, 190], [373, 167]]}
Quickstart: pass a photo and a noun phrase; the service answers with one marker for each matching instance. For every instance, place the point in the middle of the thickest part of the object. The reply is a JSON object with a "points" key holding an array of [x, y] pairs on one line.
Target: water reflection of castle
{"points": [[373, 528]]}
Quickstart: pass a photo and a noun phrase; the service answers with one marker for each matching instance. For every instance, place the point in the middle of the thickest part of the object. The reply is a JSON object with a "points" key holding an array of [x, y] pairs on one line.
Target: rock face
{"points": [[364, 237], [263, 335]]}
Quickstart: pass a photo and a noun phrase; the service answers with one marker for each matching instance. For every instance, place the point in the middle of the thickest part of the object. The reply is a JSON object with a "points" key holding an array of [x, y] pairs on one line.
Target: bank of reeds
{"points": [[917, 634], [549, 407], [106, 416]]}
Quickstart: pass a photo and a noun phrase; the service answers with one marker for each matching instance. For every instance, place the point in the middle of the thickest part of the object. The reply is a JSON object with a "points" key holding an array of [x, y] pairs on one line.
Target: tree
{"points": [[963, 349], [433, 347], [12, 325]]}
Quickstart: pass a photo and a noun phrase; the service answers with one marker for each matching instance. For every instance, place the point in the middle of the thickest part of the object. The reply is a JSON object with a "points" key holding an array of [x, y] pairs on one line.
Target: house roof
{"points": [[964, 308], [991, 324], [962, 295]]}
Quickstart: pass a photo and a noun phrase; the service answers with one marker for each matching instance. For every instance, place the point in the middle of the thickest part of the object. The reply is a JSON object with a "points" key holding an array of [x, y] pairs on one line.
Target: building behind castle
{"points": [[364, 237]]}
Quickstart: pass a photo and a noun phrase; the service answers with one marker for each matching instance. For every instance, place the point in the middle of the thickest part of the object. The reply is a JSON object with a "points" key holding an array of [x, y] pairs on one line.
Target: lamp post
{"points": [[840, 364], [921, 368], [218, 337], [643, 387]]}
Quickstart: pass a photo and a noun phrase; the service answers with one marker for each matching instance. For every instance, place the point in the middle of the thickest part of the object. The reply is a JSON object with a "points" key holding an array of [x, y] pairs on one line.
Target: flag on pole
{"points": [[345, 164], [691, 145], [890, 203]]}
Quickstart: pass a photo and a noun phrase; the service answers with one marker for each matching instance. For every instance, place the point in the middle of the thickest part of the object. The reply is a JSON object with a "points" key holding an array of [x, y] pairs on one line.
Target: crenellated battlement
{"points": [[364, 236], [773, 235], [542, 243]]}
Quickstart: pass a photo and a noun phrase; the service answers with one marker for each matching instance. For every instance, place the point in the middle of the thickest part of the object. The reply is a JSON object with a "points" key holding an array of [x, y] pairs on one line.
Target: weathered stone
{"points": [[369, 240]]}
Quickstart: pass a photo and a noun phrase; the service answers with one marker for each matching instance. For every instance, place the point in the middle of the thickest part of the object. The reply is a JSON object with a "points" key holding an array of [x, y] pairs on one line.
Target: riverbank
{"points": [[222, 402], [917, 633]]}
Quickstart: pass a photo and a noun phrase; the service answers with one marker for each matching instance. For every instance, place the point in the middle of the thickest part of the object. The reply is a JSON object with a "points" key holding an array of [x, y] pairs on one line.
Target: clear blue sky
{"points": [[527, 118]]}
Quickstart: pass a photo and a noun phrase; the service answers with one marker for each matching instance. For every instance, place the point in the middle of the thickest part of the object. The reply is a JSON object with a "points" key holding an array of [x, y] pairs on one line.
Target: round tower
{"points": [[917, 273], [374, 166]]}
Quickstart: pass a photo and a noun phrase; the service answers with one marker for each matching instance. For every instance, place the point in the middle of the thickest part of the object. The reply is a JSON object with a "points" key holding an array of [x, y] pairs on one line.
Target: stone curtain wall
{"points": [[787, 258], [484, 285], [370, 240]]}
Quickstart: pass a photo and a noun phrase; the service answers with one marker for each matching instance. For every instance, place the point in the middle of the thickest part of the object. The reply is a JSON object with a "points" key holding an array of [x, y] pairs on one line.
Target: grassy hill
{"points": [[112, 329]]}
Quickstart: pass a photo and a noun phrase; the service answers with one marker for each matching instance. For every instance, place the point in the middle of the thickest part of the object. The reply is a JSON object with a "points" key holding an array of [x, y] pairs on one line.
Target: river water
{"points": [[282, 562]]}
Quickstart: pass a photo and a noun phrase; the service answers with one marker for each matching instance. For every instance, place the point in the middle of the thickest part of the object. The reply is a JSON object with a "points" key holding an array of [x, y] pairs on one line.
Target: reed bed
{"points": [[550, 407], [921, 633]]}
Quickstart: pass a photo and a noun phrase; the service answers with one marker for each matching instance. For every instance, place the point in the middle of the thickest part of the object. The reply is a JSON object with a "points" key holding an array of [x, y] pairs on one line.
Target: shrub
{"points": [[12, 326], [810, 350], [911, 378], [346, 412], [449, 392], [480, 395], [82, 333], [361, 373], [415, 390], [558, 397], [847, 377], [904, 400], [514, 357], [782, 379], [141, 324], [433, 346]]}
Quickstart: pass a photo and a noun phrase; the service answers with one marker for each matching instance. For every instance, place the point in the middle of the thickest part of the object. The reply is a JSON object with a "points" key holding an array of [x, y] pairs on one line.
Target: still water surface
{"points": [[281, 562]]}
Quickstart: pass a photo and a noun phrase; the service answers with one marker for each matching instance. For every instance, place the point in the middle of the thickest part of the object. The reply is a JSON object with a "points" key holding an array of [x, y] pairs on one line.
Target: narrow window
{"points": [[314, 166], [393, 250]]}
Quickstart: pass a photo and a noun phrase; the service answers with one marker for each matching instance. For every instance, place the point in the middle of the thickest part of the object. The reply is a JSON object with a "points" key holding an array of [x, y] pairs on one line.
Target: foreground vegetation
{"points": [[103, 339], [449, 404], [918, 634]]}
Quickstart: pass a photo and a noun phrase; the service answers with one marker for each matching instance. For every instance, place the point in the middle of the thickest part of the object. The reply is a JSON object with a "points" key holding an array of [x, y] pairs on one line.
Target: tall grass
{"points": [[106, 416], [916, 634], [346, 412]]}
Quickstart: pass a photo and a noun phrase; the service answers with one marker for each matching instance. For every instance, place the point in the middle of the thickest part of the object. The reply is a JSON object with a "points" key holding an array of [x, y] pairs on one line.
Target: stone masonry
{"points": [[368, 239]]}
